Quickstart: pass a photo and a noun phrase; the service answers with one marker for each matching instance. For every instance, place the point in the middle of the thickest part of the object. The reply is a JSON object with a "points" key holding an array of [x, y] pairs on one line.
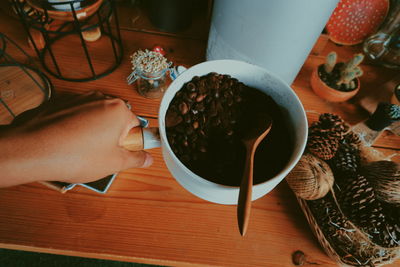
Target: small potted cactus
{"points": [[337, 81]]}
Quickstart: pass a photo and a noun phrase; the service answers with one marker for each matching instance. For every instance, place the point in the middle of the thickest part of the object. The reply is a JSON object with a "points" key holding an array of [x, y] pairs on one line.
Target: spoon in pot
{"points": [[251, 139]]}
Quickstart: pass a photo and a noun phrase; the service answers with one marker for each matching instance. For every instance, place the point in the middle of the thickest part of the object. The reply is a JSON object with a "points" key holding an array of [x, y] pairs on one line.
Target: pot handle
{"points": [[140, 138]]}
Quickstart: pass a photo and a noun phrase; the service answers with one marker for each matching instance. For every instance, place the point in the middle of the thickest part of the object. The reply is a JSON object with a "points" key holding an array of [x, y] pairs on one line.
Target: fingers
{"points": [[136, 159]]}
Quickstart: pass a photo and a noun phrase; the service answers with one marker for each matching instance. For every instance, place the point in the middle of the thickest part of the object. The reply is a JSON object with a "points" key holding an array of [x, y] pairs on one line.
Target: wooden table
{"points": [[147, 216]]}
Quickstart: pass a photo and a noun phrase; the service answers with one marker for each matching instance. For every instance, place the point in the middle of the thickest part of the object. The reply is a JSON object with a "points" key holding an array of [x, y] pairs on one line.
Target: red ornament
{"points": [[354, 20], [159, 49]]}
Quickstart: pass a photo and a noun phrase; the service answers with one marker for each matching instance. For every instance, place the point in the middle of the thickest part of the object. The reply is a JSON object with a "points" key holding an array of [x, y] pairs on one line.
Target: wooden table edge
{"points": [[102, 256]]}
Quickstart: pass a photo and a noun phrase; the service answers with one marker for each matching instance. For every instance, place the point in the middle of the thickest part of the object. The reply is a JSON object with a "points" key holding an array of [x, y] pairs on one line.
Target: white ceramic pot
{"points": [[64, 5], [252, 76]]}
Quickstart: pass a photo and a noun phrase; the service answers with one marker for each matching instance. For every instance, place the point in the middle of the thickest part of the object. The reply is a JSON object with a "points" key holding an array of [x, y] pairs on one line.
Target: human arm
{"points": [[75, 140]]}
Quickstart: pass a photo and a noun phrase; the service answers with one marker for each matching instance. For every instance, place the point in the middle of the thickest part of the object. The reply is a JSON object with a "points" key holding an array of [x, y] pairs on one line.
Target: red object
{"points": [[159, 49], [354, 20]]}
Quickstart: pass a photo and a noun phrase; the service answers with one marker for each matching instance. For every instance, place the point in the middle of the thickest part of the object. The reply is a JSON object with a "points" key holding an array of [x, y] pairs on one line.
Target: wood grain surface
{"points": [[146, 216], [20, 90]]}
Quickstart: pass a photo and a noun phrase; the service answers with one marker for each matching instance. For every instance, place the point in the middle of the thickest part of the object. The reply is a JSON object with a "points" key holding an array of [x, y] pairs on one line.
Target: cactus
{"points": [[347, 72], [347, 77], [355, 61], [330, 62]]}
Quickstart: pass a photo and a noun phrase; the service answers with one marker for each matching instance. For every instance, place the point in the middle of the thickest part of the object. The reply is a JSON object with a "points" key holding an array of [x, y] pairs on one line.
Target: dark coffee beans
{"points": [[205, 122]]}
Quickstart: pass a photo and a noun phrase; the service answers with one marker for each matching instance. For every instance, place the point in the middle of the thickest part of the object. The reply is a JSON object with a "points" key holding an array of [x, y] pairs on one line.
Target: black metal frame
{"points": [[7, 60], [102, 20]]}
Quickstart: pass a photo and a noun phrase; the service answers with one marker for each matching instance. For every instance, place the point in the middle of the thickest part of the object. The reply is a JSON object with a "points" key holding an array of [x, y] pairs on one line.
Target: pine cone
{"points": [[325, 135], [324, 147], [352, 138], [358, 202], [334, 124], [328, 215], [392, 214], [346, 160]]}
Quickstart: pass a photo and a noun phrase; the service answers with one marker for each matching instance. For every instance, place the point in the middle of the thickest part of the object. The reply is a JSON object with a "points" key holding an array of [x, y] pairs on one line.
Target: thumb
{"points": [[136, 159]]}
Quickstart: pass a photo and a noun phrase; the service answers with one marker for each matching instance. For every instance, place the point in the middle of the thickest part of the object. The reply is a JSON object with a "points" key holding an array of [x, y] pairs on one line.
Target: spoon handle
{"points": [[245, 193]]}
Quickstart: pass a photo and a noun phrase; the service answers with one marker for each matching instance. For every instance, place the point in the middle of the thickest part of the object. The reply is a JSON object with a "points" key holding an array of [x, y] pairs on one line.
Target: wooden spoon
{"points": [[253, 137]]}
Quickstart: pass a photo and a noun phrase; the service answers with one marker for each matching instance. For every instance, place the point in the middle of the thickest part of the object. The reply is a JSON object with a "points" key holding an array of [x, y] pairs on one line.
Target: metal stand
{"points": [[62, 31]]}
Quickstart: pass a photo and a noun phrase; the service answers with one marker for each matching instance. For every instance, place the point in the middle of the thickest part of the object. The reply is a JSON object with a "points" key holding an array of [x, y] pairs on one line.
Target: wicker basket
{"points": [[386, 255], [377, 255]]}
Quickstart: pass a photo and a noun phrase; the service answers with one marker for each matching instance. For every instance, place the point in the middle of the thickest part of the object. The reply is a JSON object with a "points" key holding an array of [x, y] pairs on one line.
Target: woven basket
{"points": [[376, 255], [379, 255]]}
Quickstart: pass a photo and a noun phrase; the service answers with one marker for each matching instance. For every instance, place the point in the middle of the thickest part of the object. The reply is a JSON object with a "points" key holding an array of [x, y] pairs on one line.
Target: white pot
{"points": [[64, 5], [252, 76]]}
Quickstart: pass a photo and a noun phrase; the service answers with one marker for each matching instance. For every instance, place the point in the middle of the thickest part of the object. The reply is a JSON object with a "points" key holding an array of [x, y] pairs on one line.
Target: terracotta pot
{"points": [[81, 13], [328, 93]]}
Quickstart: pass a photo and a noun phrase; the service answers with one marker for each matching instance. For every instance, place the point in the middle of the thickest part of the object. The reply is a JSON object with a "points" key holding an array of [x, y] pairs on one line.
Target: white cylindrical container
{"points": [[277, 35], [252, 76]]}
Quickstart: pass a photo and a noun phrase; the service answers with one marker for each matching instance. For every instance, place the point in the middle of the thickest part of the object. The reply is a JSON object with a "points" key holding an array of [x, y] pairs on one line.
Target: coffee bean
{"points": [[179, 94], [203, 149], [225, 120], [219, 107], [191, 87], [187, 118], [227, 94], [183, 108], [200, 107], [189, 130], [171, 140], [202, 119], [180, 128], [238, 99], [298, 258], [230, 101], [216, 122], [172, 119], [193, 95], [200, 98], [212, 110], [202, 82], [193, 137]]}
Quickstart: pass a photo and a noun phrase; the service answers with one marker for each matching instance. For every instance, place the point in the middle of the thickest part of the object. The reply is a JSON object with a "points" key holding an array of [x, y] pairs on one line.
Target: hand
{"points": [[70, 139]]}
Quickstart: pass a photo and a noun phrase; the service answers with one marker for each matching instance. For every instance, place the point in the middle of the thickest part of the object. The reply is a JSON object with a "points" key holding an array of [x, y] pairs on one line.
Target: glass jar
{"points": [[150, 84], [384, 46]]}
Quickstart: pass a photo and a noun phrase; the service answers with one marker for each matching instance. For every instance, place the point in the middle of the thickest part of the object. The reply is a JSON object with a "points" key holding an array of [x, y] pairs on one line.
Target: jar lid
{"points": [[21, 88]]}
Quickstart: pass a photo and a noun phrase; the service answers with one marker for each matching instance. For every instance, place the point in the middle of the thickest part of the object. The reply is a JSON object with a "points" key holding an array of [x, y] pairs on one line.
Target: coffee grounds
{"points": [[207, 119]]}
